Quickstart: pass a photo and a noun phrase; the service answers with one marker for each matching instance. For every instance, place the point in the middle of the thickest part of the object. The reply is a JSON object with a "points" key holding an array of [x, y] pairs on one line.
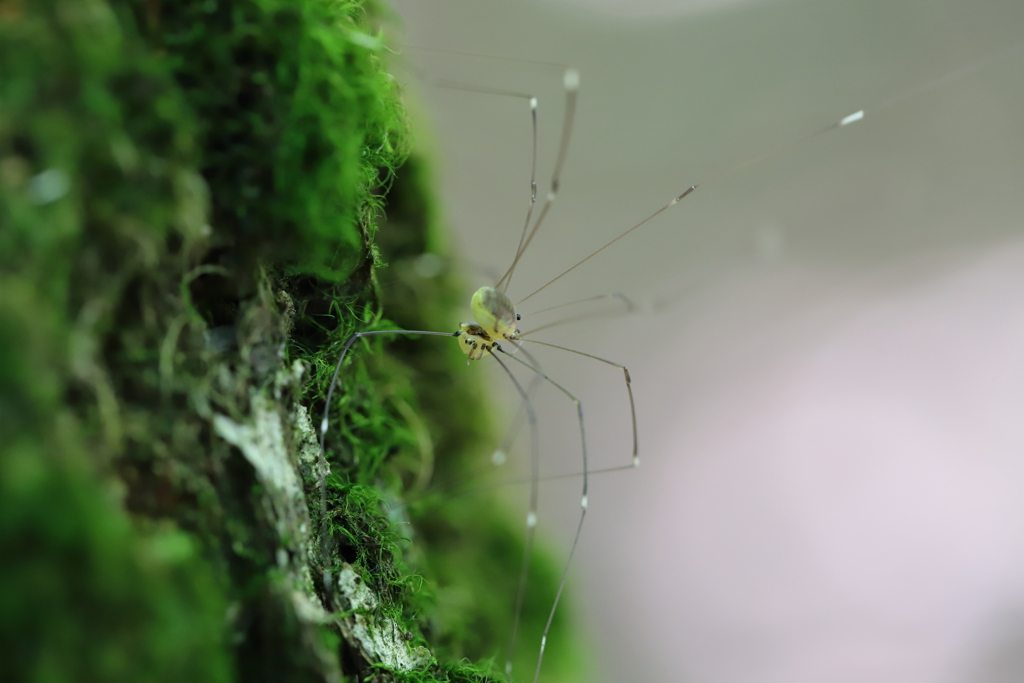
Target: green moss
{"points": [[472, 546], [84, 597], [89, 193], [188, 195], [297, 121]]}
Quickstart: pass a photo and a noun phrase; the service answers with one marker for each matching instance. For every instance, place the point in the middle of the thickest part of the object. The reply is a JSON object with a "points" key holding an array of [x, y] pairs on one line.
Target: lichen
{"points": [[382, 640]]}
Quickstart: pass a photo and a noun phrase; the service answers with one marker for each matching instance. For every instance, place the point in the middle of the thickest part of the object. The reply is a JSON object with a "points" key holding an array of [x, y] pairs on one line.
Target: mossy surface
{"points": [[189, 194], [473, 547]]}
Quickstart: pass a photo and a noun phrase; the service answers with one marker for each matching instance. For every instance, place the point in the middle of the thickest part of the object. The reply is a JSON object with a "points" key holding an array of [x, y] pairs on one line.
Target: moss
{"points": [[91, 193], [85, 596], [473, 546], [296, 122], [189, 194]]}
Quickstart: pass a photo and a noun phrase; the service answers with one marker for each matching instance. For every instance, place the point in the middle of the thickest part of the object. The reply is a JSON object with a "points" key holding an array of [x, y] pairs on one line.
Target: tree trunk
{"points": [[190, 196]]}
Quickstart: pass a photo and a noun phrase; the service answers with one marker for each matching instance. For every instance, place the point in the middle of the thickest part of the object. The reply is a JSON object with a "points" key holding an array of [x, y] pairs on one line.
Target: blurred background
{"points": [[827, 347]]}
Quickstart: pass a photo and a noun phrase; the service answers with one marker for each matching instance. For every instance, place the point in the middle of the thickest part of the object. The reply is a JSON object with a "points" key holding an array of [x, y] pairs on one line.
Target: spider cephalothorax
{"points": [[496, 320]]}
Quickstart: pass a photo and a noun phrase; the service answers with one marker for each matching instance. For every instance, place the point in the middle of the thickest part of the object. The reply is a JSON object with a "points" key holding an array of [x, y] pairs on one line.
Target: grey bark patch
{"points": [[263, 444], [283, 448], [381, 638]]}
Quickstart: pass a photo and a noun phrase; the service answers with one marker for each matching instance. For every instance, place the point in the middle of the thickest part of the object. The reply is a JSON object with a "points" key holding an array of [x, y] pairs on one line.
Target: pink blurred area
{"points": [[844, 500]]}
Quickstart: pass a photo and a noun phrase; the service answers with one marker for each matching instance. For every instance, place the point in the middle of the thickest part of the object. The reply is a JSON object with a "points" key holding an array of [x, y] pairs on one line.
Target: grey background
{"points": [[828, 363]]}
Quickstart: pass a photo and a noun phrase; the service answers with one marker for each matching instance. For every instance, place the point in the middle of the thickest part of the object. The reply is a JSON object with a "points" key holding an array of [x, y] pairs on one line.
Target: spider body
{"points": [[496, 320]]}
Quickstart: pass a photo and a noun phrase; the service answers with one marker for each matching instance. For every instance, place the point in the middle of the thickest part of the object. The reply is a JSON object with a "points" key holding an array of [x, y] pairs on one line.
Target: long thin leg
{"points": [[531, 515], [324, 525], [534, 366], [464, 486], [629, 390], [498, 457], [487, 90], [533, 194], [626, 301], [571, 82], [856, 116], [845, 121], [629, 307], [456, 85], [458, 491]]}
